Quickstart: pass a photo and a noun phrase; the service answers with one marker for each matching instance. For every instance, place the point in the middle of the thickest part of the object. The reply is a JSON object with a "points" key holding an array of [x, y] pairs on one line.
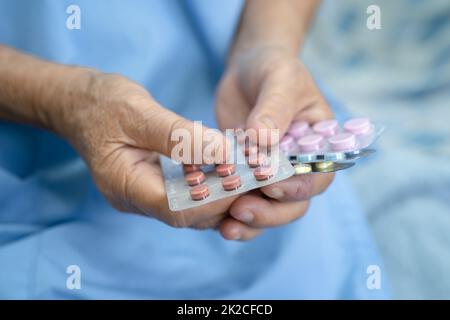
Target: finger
{"points": [[287, 96], [205, 216], [275, 107], [232, 108], [231, 229], [258, 212], [182, 140], [298, 188], [317, 108]]}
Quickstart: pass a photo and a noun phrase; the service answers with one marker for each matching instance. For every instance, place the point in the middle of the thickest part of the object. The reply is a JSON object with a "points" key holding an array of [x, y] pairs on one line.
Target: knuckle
{"points": [[304, 188]]}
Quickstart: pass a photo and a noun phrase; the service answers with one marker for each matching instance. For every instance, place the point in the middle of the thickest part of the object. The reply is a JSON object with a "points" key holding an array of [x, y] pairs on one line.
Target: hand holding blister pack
{"points": [[321, 148]]}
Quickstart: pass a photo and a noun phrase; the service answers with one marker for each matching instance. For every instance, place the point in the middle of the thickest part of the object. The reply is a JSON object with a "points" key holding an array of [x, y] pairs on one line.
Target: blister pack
{"points": [[189, 186], [327, 141], [321, 148]]}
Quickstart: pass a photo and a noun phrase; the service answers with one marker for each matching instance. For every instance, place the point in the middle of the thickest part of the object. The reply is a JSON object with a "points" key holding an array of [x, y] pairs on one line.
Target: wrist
{"points": [[38, 92], [266, 52], [267, 23], [282, 43], [68, 93]]}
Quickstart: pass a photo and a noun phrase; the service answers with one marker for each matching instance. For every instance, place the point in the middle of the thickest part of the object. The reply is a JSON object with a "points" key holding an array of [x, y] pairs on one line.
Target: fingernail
{"points": [[276, 193], [268, 122], [235, 234], [244, 216]]}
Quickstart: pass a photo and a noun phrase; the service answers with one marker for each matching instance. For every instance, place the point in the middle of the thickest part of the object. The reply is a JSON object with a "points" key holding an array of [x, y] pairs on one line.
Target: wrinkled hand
{"points": [[268, 89], [119, 129]]}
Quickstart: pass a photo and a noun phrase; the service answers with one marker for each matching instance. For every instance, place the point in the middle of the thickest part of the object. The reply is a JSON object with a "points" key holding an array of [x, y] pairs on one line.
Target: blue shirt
{"points": [[52, 216]]}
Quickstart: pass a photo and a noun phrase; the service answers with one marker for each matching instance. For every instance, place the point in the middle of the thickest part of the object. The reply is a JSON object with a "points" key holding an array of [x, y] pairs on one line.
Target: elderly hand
{"points": [[268, 88], [119, 129]]}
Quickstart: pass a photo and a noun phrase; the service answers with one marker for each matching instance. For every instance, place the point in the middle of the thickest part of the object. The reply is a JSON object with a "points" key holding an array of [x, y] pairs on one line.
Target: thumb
{"points": [[182, 140], [275, 108]]}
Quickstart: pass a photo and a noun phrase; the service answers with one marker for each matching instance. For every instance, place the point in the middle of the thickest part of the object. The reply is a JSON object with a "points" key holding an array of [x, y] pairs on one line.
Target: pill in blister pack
{"points": [[188, 186], [328, 141]]}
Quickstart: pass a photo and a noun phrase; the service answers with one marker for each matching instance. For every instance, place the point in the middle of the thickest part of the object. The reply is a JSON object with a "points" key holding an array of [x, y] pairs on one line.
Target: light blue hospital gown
{"points": [[52, 216]]}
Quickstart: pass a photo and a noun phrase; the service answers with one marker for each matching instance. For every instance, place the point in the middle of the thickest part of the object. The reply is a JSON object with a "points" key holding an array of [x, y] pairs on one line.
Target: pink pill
{"points": [[287, 143], [250, 149], [342, 141], [225, 169], [231, 182], [263, 173], [256, 160], [298, 129], [358, 126], [326, 128], [199, 192], [309, 143], [195, 178]]}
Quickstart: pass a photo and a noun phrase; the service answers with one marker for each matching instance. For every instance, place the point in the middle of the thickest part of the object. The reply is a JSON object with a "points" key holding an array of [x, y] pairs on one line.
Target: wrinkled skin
{"points": [[119, 129], [268, 88]]}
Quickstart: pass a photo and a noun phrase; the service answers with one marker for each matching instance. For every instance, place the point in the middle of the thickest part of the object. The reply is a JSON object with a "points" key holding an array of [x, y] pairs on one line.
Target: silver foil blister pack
{"points": [[329, 141]]}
